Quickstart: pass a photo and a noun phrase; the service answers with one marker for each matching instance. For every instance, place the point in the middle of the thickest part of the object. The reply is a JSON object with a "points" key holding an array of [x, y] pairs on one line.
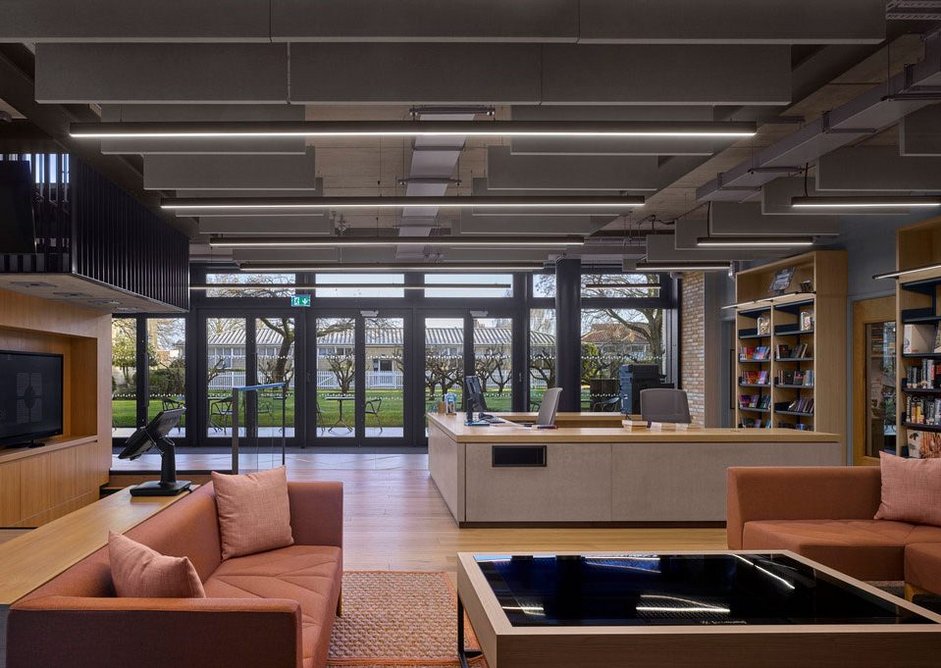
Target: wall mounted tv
{"points": [[30, 397]]}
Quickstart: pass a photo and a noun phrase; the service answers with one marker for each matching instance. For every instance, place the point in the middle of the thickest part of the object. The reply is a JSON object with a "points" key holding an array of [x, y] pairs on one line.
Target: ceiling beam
{"points": [[605, 21], [776, 199], [920, 133], [690, 230], [232, 172], [735, 220], [414, 73], [631, 146], [307, 225], [509, 225], [877, 168], [506, 171]]}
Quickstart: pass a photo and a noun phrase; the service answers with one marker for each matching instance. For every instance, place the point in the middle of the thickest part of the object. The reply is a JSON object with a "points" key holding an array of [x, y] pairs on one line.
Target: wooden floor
{"points": [[395, 518]]}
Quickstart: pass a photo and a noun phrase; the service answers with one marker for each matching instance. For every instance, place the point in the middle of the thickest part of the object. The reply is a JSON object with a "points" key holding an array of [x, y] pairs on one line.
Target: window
{"points": [[497, 285], [251, 279], [543, 286], [391, 280], [619, 286], [166, 353], [124, 375], [542, 365]]}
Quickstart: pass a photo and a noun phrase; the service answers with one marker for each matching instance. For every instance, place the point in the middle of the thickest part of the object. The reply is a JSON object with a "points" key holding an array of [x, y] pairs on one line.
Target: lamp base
{"points": [[155, 488]]}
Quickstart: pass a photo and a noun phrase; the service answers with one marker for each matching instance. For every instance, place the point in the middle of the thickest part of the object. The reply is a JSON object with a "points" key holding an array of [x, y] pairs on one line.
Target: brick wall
{"points": [[692, 344]]}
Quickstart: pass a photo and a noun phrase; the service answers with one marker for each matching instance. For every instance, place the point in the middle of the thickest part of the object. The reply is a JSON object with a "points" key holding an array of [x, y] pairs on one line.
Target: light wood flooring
{"points": [[395, 518]]}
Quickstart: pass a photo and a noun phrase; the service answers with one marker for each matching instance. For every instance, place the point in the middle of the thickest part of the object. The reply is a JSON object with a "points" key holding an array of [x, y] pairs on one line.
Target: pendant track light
{"points": [[255, 129], [386, 241], [754, 242], [197, 204], [907, 272], [659, 267], [850, 203], [287, 267]]}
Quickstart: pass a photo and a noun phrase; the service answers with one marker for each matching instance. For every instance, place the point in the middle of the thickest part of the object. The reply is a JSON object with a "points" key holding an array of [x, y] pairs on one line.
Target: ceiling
{"points": [[791, 66]]}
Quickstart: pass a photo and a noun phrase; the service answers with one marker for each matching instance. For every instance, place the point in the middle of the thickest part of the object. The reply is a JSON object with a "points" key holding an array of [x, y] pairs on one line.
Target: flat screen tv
{"points": [[17, 225], [30, 397]]}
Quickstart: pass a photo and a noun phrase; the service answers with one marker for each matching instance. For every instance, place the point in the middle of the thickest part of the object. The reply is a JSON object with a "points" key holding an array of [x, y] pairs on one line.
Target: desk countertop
{"points": [[454, 427]]}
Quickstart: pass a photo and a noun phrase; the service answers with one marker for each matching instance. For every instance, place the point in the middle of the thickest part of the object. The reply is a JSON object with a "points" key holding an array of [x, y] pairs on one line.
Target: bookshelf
{"points": [[791, 346], [918, 344]]}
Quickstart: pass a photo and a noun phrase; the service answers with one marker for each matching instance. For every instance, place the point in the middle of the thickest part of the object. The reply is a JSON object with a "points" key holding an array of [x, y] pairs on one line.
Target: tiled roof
{"points": [[387, 336]]}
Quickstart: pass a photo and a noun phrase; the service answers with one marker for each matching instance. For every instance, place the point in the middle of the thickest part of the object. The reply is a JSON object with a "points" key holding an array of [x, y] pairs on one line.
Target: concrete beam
{"points": [[920, 133], [776, 199], [235, 172], [700, 114], [307, 225], [690, 230], [734, 219], [630, 146], [877, 168], [457, 73], [506, 171], [662, 248], [733, 21], [162, 73], [469, 224], [113, 113]]}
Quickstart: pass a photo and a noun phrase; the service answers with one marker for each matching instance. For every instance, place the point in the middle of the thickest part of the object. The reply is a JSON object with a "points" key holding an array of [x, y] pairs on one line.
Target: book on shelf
{"points": [[755, 423], [763, 377], [923, 444], [804, 377], [923, 410], [754, 352], [919, 338], [801, 405], [926, 375], [784, 351], [799, 426]]}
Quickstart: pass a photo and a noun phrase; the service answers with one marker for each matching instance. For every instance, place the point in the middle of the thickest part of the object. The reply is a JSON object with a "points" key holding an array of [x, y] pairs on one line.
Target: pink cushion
{"points": [[911, 490], [140, 572], [254, 512]]}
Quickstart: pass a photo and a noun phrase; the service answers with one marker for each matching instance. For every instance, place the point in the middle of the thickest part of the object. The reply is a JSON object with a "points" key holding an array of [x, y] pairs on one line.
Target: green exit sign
{"points": [[302, 301]]}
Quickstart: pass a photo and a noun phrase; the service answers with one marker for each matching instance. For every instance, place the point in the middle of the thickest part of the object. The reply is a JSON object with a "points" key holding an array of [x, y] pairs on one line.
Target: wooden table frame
{"points": [[769, 646]]}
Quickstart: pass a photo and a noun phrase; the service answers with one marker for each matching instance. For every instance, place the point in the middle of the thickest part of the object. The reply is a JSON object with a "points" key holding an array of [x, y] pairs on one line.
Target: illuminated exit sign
{"points": [[301, 301]]}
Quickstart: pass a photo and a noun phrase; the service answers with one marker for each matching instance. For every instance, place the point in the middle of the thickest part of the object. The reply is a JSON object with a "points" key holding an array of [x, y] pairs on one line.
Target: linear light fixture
{"points": [[255, 129], [196, 204], [754, 242], [319, 286], [906, 272], [883, 202], [657, 267], [473, 267], [384, 241]]}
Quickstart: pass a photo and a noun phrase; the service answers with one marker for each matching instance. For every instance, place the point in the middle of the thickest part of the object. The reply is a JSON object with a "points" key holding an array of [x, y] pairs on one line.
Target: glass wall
{"points": [[479, 285], [335, 393], [256, 285], [166, 380], [541, 354], [274, 355], [493, 361], [384, 404], [124, 377], [225, 369], [375, 283], [444, 360]]}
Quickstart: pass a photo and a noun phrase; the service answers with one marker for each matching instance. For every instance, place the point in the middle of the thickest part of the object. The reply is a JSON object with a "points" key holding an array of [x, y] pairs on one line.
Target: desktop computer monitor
{"points": [[664, 405], [474, 396], [548, 407]]}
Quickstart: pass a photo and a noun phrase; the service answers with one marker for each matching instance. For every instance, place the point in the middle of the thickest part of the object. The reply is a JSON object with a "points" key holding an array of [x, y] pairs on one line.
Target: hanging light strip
{"points": [[907, 272], [324, 286], [883, 202], [386, 241], [657, 267], [197, 204], [754, 242], [473, 267], [261, 129]]}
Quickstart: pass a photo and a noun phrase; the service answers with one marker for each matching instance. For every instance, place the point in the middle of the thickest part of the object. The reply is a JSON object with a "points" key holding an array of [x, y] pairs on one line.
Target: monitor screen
{"points": [[145, 438], [475, 394], [17, 226], [30, 396]]}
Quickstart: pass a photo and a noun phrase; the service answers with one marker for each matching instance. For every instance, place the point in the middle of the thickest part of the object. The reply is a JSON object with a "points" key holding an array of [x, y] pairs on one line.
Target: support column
{"points": [[568, 345]]}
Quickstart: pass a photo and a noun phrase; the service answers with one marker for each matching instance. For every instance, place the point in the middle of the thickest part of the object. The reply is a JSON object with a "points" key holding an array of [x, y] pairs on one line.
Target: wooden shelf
{"points": [[922, 390], [742, 337], [922, 356], [53, 444], [795, 413], [754, 410], [793, 359], [754, 385], [922, 427], [795, 387], [794, 332], [753, 361]]}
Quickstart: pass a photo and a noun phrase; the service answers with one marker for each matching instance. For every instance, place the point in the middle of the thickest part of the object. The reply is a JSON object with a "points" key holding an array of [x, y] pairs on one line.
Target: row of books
{"points": [[799, 426], [755, 423], [925, 375], [754, 353], [799, 405], [754, 377], [761, 401], [920, 339], [783, 351], [803, 377], [923, 410]]}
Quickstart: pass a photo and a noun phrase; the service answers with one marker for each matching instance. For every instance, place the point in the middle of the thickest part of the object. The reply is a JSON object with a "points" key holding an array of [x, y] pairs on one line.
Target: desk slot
{"points": [[519, 456]]}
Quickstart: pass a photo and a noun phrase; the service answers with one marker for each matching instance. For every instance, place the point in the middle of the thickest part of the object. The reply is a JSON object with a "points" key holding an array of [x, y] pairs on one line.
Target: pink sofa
{"points": [[274, 609], [826, 514]]}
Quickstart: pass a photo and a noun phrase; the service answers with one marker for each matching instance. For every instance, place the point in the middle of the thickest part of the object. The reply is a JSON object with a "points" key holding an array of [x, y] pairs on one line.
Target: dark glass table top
{"points": [[679, 590]]}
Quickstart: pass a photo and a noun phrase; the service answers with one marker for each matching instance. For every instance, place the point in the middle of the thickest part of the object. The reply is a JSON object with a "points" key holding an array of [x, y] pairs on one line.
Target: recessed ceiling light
{"points": [[253, 129]]}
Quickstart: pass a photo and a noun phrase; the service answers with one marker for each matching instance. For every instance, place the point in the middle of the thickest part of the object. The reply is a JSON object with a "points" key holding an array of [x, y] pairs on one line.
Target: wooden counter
{"points": [[582, 474]]}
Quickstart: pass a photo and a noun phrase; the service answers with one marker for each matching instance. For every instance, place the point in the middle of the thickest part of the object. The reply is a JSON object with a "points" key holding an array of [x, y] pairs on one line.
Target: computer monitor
{"points": [[664, 405], [474, 396], [155, 434], [548, 407]]}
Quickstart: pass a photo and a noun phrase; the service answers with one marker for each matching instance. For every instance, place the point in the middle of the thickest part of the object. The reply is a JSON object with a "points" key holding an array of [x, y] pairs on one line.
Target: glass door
{"points": [[881, 389], [359, 379], [493, 361]]}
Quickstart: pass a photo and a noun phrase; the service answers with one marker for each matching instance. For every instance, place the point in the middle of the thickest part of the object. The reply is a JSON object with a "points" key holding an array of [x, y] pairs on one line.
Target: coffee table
{"points": [[703, 610]]}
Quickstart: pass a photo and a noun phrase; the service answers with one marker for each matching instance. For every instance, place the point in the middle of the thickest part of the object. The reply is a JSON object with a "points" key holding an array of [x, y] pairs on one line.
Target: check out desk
{"points": [[591, 470]]}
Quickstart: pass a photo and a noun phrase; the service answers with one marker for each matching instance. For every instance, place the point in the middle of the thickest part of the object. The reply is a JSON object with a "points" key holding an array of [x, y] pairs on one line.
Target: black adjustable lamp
{"points": [[155, 435]]}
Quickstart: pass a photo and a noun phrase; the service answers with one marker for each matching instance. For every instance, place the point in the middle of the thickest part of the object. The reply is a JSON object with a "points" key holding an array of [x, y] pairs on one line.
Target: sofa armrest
{"points": [[317, 513], [89, 632], [799, 493]]}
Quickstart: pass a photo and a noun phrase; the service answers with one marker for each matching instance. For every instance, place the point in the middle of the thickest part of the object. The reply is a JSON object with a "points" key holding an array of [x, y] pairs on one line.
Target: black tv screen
{"points": [[30, 397], [17, 225]]}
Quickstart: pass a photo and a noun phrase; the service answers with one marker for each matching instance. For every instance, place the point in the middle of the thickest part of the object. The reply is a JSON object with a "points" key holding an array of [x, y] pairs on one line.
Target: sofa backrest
{"points": [[188, 528]]}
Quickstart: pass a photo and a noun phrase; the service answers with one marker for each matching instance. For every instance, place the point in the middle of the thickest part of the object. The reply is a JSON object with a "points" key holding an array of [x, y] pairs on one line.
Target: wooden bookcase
{"points": [[823, 273], [918, 302]]}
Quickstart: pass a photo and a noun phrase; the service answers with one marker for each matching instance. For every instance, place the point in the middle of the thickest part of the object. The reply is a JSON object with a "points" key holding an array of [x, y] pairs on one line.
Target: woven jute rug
{"points": [[398, 619]]}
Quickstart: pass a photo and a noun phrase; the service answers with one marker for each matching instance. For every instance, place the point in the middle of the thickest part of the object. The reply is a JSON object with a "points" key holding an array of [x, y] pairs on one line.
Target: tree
{"points": [[341, 365], [645, 322], [343, 369], [441, 369], [281, 368]]}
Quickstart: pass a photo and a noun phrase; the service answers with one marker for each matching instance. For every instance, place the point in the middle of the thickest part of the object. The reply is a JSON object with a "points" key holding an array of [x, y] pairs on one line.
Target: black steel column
{"points": [[568, 318]]}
